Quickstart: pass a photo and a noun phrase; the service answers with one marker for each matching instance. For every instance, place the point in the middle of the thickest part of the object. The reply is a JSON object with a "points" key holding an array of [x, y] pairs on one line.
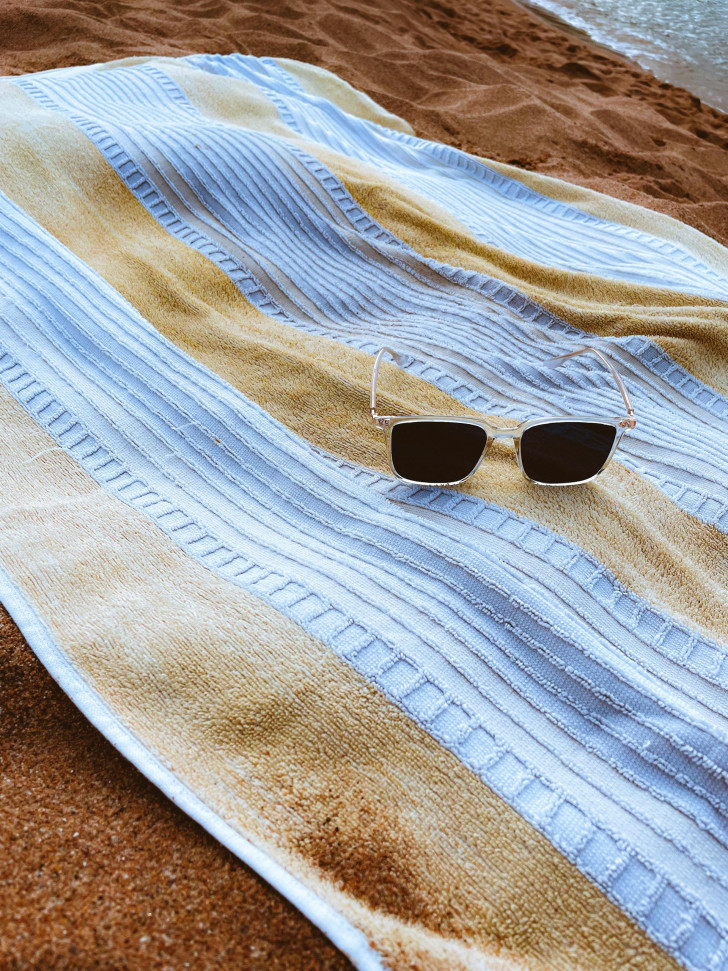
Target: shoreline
{"points": [[557, 22]]}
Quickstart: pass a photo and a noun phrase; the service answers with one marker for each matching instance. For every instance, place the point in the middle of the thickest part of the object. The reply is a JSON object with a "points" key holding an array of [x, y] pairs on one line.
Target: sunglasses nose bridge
{"points": [[502, 433]]}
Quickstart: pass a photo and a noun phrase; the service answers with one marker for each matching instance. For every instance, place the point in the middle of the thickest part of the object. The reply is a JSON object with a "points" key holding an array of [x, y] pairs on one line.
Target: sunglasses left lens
{"points": [[436, 452]]}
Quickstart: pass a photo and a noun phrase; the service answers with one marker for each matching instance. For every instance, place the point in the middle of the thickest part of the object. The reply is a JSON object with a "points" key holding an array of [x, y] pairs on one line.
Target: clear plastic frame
{"points": [[620, 423]]}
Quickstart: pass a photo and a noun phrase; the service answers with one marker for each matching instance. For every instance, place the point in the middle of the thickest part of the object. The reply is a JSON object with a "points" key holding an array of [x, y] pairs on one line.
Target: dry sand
{"points": [[97, 869]]}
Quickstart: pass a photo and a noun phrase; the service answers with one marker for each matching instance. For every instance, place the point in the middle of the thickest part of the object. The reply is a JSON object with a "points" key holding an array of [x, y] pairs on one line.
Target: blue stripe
{"points": [[625, 618], [496, 209], [621, 767], [332, 271]]}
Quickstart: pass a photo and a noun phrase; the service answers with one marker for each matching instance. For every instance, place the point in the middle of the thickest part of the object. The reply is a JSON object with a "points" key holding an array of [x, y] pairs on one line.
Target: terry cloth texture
{"points": [[473, 728]]}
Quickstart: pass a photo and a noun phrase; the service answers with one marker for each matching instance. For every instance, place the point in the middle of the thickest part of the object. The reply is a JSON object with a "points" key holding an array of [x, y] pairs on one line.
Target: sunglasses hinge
{"points": [[379, 421]]}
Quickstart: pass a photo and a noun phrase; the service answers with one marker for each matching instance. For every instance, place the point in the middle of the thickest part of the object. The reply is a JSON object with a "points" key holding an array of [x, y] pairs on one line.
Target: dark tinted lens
{"points": [[436, 451], [566, 451]]}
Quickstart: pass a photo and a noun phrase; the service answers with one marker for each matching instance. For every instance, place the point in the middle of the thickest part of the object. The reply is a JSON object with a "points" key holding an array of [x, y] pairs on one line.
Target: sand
{"points": [[98, 869]]}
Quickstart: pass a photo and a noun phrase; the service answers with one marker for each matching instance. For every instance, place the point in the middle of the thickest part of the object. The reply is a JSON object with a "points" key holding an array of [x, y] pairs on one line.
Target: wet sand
{"points": [[98, 869]]}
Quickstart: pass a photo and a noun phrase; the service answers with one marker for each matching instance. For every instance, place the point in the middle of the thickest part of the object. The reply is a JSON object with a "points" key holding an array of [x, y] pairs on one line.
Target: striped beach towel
{"points": [[483, 727]]}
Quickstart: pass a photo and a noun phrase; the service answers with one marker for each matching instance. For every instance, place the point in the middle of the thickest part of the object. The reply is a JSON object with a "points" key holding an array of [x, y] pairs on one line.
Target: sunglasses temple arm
{"points": [[375, 374], [558, 361]]}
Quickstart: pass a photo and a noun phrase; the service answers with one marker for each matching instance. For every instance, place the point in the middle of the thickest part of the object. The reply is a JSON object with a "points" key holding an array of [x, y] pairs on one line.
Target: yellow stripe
{"points": [[319, 387], [291, 746], [323, 84]]}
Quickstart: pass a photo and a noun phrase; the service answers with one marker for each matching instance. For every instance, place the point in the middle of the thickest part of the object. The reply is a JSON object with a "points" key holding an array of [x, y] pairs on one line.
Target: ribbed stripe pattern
{"points": [[495, 209], [297, 245], [600, 718]]}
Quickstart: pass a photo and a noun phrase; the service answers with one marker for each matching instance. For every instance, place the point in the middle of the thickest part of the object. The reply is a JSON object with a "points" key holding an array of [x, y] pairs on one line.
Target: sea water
{"points": [[684, 42]]}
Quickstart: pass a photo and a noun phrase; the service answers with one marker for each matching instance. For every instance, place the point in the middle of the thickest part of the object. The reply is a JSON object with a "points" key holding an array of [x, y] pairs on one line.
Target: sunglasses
{"points": [[444, 451]]}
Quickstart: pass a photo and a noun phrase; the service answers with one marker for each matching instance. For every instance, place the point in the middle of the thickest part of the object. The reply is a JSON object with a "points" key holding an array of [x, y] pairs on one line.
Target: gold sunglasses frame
{"points": [[621, 423]]}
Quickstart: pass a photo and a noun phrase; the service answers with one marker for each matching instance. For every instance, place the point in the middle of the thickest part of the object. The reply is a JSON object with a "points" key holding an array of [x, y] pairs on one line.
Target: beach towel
{"points": [[481, 727]]}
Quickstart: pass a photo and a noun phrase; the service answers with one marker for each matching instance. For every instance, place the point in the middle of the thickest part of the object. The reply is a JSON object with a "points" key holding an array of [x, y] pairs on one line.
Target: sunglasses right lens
{"points": [[436, 452], [566, 452]]}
